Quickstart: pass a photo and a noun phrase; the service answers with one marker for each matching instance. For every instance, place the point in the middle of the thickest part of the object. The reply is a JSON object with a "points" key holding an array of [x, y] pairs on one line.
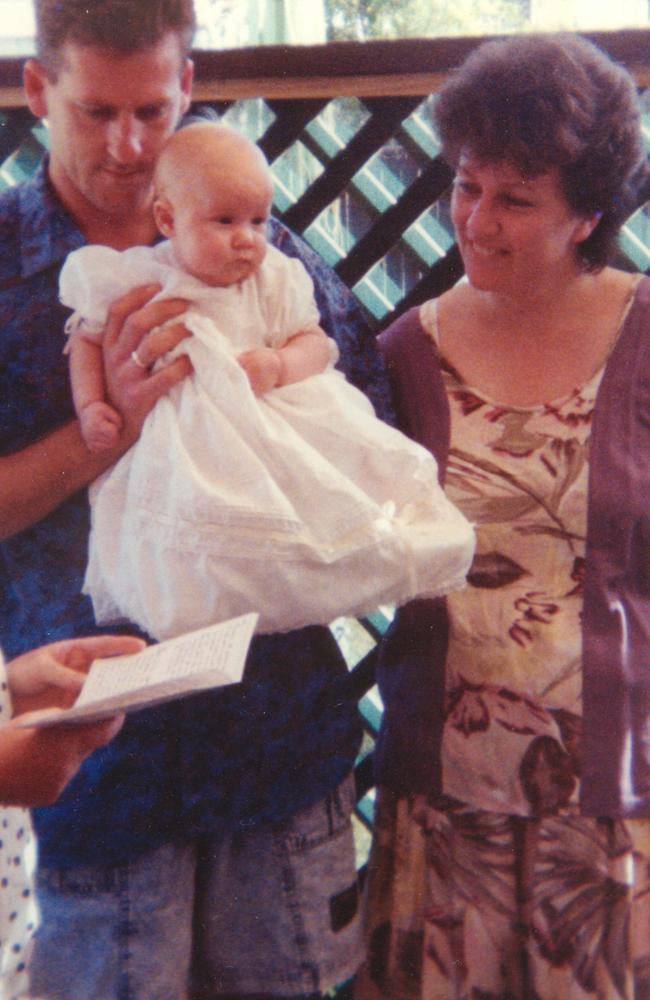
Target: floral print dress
{"points": [[501, 890]]}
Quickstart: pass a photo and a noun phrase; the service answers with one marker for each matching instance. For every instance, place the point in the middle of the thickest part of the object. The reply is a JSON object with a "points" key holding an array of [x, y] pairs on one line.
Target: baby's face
{"points": [[220, 227]]}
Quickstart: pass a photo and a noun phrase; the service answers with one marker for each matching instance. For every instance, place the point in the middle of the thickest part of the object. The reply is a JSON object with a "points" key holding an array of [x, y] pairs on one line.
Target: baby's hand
{"points": [[100, 426], [263, 367]]}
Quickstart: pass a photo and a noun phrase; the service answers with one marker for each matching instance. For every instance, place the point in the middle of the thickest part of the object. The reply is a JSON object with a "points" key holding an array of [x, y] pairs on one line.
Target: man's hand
{"points": [[35, 480], [135, 324]]}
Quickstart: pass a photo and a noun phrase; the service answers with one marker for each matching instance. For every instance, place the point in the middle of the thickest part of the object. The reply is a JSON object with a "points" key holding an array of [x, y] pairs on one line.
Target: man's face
{"points": [[109, 116]]}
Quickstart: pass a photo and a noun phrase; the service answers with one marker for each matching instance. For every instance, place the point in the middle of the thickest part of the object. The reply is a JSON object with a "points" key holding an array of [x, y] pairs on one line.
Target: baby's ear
{"points": [[163, 213]]}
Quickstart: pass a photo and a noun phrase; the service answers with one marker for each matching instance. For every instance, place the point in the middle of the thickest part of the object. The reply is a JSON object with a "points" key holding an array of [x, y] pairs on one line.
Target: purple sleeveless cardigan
{"points": [[615, 777]]}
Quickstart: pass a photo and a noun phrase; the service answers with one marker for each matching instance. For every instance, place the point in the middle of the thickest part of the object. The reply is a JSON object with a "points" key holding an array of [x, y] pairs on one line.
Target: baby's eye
{"points": [[225, 220], [260, 220]]}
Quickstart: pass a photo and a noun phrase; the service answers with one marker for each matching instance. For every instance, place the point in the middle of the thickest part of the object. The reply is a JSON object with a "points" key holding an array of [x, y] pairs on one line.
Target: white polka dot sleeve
{"points": [[18, 914]]}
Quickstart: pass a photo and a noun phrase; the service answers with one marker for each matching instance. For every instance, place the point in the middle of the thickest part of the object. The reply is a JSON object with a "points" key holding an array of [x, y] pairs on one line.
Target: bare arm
{"points": [[86, 372], [100, 422], [36, 764], [34, 481], [307, 353]]}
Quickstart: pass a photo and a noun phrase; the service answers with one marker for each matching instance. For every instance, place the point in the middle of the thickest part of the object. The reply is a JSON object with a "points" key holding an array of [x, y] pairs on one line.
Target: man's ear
{"points": [[187, 79], [163, 213], [35, 80]]}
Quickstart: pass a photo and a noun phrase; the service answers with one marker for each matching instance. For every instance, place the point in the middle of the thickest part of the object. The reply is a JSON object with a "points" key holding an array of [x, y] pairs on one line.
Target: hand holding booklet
{"points": [[208, 658]]}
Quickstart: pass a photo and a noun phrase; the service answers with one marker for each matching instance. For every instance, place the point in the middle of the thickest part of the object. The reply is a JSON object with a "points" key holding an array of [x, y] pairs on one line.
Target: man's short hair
{"points": [[122, 26]]}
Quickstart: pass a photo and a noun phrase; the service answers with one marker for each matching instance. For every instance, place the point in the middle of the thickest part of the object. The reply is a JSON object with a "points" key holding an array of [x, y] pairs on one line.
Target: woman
{"points": [[511, 856], [35, 766]]}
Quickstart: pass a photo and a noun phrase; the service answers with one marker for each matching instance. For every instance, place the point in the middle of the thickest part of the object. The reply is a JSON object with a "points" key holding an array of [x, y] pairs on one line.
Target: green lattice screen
{"points": [[360, 180]]}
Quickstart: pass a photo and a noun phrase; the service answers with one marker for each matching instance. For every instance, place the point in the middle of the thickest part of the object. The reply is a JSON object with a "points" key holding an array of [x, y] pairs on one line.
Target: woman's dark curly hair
{"points": [[543, 101]]}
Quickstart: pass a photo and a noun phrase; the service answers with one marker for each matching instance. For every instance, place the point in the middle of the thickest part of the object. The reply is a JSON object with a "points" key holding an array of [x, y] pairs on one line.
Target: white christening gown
{"points": [[300, 504]]}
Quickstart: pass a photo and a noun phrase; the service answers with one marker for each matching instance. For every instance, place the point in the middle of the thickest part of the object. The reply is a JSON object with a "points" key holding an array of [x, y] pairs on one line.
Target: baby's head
{"points": [[213, 198]]}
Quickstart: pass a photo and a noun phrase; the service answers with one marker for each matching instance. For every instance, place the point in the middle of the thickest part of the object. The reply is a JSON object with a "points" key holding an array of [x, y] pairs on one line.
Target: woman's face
{"points": [[516, 234]]}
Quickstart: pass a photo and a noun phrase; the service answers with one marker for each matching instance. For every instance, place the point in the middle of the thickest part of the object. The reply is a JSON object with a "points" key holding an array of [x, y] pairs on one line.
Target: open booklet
{"points": [[208, 658]]}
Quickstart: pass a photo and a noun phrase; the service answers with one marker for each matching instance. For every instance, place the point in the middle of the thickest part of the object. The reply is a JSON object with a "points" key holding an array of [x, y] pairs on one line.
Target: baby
{"points": [[263, 481], [214, 194]]}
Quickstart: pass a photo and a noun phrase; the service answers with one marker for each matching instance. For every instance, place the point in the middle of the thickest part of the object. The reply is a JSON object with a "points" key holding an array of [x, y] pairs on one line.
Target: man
{"points": [[210, 843]]}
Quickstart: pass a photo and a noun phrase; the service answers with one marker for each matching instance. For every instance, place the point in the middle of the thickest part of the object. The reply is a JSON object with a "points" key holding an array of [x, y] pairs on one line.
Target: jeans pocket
{"points": [[81, 881], [327, 819]]}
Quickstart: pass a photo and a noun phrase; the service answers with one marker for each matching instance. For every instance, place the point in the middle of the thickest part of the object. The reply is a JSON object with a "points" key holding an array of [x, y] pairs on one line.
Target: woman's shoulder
{"points": [[616, 294], [407, 345], [456, 301], [405, 327], [456, 314], [631, 286]]}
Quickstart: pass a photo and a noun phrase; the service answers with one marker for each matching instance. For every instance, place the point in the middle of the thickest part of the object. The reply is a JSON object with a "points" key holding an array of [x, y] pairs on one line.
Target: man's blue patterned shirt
{"points": [[245, 755]]}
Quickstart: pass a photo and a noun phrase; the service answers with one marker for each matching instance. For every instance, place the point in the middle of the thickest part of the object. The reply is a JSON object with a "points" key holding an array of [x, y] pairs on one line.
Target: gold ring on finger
{"points": [[137, 360]]}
